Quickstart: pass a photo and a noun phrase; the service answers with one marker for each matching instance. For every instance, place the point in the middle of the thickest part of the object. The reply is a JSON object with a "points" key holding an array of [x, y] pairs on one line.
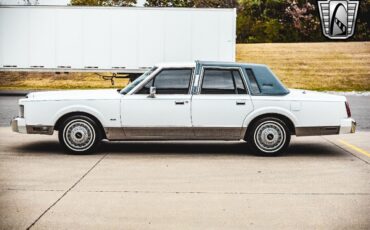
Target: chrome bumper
{"points": [[18, 125], [347, 126]]}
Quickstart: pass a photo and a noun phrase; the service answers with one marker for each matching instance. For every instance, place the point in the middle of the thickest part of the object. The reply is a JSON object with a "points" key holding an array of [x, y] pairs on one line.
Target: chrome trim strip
{"points": [[114, 133], [317, 131], [175, 133], [224, 133]]}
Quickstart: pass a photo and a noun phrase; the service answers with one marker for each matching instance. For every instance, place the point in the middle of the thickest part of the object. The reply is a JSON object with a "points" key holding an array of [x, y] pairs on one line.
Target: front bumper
{"points": [[347, 126], [18, 125]]}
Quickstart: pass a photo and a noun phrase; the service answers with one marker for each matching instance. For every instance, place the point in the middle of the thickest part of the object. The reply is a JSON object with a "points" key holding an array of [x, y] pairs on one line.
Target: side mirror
{"points": [[152, 91]]}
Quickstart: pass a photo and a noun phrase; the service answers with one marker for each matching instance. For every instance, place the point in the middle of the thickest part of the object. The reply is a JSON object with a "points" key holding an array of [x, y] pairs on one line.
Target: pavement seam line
{"points": [[66, 192], [345, 150]]}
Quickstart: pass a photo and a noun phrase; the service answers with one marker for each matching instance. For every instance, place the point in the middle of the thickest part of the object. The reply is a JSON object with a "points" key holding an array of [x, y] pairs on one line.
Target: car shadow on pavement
{"points": [[160, 148], [184, 148], [40, 147]]}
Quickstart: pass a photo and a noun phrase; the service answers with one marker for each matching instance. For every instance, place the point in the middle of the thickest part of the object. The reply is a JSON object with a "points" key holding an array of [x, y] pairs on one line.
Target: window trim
{"points": [[167, 68], [230, 68], [255, 79], [244, 84]]}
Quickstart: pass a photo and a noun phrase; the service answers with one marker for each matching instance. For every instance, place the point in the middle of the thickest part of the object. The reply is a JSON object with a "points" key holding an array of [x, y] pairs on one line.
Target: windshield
{"points": [[137, 81]]}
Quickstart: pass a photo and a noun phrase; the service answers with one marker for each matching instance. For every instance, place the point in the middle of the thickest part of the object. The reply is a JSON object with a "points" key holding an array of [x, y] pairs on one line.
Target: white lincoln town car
{"points": [[187, 101]]}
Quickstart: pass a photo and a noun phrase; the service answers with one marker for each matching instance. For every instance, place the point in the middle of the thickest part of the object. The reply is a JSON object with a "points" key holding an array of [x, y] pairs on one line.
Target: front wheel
{"points": [[268, 136], [79, 134]]}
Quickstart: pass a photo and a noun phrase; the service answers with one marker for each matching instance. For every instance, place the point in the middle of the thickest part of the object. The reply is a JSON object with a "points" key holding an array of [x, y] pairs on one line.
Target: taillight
{"points": [[348, 109]]}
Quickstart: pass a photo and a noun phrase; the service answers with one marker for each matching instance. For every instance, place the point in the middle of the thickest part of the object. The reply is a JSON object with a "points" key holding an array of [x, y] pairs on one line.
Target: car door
{"points": [[221, 103], [164, 116]]}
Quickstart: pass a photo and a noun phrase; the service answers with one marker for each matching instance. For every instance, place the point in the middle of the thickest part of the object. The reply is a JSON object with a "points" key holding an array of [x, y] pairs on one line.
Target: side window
{"points": [[240, 87], [217, 81], [170, 81], [222, 81], [253, 82]]}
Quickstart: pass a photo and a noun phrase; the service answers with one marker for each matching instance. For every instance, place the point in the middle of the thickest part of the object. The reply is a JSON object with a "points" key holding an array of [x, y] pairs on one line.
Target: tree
{"points": [[216, 3], [362, 29], [193, 3], [169, 3], [103, 2]]}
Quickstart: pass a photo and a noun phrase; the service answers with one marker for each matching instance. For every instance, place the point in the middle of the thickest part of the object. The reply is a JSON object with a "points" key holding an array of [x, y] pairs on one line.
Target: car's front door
{"points": [[221, 104], [167, 114]]}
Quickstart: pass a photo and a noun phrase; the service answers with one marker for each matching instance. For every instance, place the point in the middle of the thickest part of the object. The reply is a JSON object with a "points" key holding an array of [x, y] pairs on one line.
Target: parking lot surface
{"points": [[321, 183]]}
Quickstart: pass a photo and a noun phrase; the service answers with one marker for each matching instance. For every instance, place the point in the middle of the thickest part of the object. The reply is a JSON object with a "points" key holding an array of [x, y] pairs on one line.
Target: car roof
{"points": [[231, 64], [209, 63]]}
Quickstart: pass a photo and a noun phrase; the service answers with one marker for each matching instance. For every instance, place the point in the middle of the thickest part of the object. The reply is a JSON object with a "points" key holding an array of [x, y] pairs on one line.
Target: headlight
{"points": [[21, 111]]}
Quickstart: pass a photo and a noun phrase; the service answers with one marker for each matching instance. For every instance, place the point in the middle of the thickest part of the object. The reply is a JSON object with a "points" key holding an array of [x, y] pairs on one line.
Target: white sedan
{"points": [[187, 101]]}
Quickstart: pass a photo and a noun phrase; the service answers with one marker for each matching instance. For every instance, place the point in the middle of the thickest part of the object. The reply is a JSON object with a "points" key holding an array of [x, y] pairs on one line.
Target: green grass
{"points": [[336, 66]]}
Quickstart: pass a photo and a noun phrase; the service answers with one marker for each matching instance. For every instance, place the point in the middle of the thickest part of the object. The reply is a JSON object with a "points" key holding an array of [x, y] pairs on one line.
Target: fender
{"points": [[267, 110], [79, 108]]}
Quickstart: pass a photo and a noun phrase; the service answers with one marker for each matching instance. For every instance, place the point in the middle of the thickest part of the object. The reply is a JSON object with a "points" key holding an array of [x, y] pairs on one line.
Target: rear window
{"points": [[263, 81]]}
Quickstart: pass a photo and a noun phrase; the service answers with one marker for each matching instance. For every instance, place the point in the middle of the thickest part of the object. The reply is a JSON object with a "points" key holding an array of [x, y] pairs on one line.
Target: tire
{"points": [[79, 134], [268, 136]]}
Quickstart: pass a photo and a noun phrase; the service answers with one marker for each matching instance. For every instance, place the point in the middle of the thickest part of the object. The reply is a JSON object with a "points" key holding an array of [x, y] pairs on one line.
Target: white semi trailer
{"points": [[115, 39]]}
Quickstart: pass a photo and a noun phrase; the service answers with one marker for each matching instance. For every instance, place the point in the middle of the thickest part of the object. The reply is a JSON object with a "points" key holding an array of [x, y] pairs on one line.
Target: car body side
{"points": [[306, 112]]}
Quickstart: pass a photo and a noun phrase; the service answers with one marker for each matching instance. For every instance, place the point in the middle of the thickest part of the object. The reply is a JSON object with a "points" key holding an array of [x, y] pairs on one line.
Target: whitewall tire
{"points": [[268, 136], [79, 134]]}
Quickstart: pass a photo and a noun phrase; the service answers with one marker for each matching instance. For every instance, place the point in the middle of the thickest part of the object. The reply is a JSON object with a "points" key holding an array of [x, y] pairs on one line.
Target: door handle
{"points": [[179, 102], [240, 102]]}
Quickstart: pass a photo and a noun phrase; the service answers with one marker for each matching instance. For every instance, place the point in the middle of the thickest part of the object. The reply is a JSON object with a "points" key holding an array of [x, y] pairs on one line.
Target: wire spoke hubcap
{"points": [[269, 136], [79, 135]]}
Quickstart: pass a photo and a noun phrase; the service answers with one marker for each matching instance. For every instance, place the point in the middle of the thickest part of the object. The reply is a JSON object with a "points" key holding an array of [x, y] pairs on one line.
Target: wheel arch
{"points": [[287, 120], [62, 118]]}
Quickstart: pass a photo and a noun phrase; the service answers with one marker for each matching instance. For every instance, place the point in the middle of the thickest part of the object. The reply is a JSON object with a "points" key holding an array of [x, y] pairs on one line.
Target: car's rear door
{"points": [[221, 103], [165, 116]]}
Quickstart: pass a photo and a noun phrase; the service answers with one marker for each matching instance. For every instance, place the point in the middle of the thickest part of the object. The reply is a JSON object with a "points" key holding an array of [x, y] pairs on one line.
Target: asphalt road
{"points": [[321, 183], [360, 108]]}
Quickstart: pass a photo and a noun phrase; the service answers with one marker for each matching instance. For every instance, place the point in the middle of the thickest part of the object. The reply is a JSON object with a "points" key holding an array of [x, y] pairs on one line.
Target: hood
{"points": [[100, 94], [307, 95]]}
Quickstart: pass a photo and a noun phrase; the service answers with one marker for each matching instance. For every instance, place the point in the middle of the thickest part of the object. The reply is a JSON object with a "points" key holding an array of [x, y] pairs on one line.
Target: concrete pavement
{"points": [[320, 183]]}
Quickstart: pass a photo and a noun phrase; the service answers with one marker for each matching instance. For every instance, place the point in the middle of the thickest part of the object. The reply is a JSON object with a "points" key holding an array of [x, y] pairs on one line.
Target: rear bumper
{"points": [[347, 126], [18, 125]]}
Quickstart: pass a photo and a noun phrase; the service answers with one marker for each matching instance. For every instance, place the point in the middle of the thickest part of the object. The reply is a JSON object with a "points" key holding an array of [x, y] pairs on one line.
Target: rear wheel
{"points": [[79, 134], [268, 136]]}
